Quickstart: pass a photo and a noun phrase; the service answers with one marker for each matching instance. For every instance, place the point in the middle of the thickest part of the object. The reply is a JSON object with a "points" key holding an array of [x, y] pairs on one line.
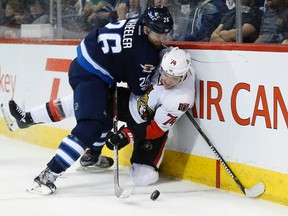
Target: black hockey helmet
{"points": [[158, 19]]}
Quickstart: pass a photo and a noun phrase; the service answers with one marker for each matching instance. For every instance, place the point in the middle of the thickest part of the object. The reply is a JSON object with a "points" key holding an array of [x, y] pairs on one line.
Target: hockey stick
{"points": [[119, 192], [252, 192], [12, 126]]}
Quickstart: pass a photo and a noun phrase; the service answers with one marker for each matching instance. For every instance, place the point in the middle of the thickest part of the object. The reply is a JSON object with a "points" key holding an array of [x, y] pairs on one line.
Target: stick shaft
{"points": [[216, 153], [118, 190], [115, 128]]}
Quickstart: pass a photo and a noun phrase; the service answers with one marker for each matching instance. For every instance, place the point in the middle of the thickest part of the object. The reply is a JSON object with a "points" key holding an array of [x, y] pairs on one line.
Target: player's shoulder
{"points": [[178, 101], [180, 94], [175, 96]]}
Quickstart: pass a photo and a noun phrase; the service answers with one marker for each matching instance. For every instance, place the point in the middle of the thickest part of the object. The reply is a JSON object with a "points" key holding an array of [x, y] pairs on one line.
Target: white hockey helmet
{"points": [[176, 62]]}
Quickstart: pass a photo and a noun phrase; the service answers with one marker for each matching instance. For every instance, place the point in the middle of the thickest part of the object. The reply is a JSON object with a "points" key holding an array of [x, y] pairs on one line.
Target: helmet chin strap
{"points": [[184, 76]]}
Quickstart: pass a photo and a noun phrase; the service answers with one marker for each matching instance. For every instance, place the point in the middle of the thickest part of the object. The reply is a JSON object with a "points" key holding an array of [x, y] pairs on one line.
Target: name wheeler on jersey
{"points": [[115, 54]]}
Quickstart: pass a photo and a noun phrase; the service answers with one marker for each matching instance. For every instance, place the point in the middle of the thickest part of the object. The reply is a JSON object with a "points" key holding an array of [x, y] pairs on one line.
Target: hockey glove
{"points": [[123, 137]]}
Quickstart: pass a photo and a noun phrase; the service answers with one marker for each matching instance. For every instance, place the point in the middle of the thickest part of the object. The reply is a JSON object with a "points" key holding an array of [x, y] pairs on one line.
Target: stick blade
{"points": [[255, 191], [123, 193], [11, 125], [90, 169]]}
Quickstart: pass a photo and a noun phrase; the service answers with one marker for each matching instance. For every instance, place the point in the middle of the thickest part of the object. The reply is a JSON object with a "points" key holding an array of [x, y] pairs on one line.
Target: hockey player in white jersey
{"points": [[171, 94], [149, 117]]}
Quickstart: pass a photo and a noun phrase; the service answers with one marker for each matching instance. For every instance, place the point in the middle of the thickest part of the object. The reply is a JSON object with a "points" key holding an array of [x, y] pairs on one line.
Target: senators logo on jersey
{"points": [[144, 110]]}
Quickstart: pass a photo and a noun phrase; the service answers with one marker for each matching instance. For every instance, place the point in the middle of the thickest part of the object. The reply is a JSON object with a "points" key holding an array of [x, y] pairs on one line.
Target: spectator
{"points": [[251, 18], [75, 19], [231, 4], [9, 18], [73, 24], [97, 13], [38, 12], [122, 9], [174, 12], [166, 3], [204, 18], [79, 6], [93, 6], [274, 25], [2, 8], [69, 3], [128, 9], [8, 22], [22, 16], [69, 7]]}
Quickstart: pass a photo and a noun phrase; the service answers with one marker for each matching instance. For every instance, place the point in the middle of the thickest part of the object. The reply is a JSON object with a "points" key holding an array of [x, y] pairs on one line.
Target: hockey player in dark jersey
{"points": [[127, 51], [148, 117]]}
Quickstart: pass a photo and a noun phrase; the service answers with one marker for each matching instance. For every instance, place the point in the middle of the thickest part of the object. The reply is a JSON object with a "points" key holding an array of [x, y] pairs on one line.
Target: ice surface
{"points": [[90, 193]]}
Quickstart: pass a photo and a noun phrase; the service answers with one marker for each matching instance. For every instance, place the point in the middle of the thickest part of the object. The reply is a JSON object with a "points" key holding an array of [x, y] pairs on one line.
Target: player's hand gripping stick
{"points": [[121, 138]]}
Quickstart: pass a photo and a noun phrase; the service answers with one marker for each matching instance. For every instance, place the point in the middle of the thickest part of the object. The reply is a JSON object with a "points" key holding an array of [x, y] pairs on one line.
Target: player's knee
{"points": [[88, 131], [143, 175]]}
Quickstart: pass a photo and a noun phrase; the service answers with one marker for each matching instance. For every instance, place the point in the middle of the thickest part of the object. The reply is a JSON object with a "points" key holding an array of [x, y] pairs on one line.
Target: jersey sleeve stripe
{"points": [[153, 131], [90, 65]]}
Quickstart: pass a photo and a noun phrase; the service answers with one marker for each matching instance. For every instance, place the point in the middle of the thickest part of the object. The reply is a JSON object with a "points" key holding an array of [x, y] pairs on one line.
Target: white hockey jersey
{"points": [[166, 105]]}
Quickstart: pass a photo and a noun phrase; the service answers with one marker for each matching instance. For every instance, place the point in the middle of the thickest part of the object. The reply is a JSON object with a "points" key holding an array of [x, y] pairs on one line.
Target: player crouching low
{"points": [[172, 93]]}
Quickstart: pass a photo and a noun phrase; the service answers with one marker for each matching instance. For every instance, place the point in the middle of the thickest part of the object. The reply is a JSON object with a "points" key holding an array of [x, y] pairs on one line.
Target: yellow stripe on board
{"points": [[183, 166]]}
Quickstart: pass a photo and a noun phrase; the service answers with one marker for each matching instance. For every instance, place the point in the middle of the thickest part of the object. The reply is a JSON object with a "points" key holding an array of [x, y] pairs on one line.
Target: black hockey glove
{"points": [[123, 137]]}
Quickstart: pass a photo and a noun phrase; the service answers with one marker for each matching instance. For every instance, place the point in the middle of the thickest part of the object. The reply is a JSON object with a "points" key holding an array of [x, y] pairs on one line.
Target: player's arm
{"points": [[165, 117], [143, 71]]}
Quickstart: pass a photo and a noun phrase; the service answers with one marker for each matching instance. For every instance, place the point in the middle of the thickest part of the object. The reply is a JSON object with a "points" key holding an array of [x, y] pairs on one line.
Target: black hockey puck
{"points": [[155, 195]]}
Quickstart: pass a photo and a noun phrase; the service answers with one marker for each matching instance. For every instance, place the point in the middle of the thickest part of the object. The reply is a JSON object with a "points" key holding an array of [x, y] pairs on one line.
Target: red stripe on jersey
{"points": [[54, 111], [160, 153], [153, 131]]}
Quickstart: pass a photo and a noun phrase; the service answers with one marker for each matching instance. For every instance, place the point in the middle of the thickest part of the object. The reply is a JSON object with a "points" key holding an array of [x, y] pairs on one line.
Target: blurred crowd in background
{"points": [[261, 21]]}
